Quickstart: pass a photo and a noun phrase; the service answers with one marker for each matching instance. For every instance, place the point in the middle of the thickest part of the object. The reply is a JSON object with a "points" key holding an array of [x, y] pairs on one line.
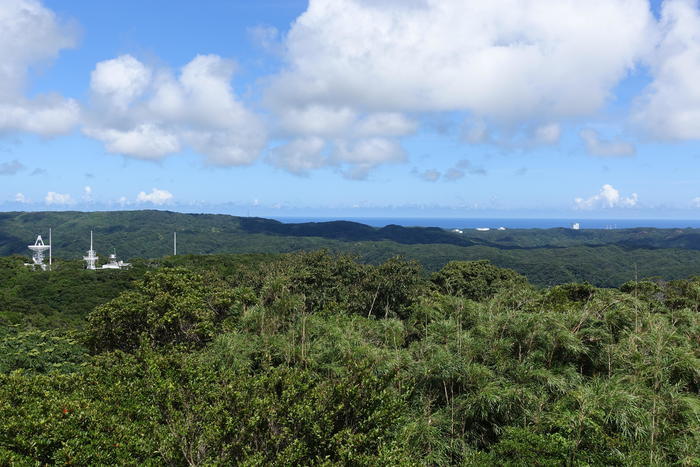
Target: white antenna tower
{"points": [[38, 250], [50, 250], [91, 258], [174, 243]]}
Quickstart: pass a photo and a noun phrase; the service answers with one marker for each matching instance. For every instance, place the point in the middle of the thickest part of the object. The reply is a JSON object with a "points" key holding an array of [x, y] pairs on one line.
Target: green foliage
{"points": [[475, 280], [169, 306], [315, 358], [39, 351]]}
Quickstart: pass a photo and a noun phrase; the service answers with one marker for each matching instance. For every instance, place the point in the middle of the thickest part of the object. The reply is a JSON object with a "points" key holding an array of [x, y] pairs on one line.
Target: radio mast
{"points": [[91, 258]]}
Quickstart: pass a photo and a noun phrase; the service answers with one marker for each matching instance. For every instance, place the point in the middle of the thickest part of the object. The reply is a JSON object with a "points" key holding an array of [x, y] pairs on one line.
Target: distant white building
{"points": [[458, 231], [502, 228], [115, 264], [576, 226], [92, 258]]}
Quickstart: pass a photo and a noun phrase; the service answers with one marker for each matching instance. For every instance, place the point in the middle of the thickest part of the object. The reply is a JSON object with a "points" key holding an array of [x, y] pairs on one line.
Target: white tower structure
{"points": [[38, 250], [91, 258], [174, 243]]}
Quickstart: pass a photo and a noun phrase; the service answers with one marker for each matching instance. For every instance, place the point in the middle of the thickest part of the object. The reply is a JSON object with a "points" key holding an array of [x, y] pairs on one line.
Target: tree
{"points": [[168, 306], [476, 280]]}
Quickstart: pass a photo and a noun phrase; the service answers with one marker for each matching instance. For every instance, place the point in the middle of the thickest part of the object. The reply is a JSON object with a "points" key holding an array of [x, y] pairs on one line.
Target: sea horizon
{"points": [[495, 223]]}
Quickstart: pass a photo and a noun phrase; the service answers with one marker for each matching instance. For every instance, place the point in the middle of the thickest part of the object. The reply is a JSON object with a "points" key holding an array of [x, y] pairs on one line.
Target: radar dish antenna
{"points": [[38, 250]]}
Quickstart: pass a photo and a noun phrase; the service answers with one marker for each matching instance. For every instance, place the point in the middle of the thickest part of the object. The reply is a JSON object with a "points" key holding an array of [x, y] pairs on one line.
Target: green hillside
{"points": [[546, 256]]}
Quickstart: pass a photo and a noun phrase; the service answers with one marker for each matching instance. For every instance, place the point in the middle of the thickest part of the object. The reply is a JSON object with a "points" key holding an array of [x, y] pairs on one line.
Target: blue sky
{"points": [[337, 108]]}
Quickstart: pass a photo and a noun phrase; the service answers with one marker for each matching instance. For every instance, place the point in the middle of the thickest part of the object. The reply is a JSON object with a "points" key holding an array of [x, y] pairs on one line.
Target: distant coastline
{"points": [[509, 223]]}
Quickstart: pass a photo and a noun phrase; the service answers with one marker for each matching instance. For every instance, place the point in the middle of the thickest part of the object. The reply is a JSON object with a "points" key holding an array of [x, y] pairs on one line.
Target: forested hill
{"points": [[149, 233], [545, 256]]}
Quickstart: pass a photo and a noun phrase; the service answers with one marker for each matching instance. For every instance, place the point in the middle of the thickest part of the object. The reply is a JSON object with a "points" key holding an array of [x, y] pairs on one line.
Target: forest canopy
{"points": [[315, 358]]}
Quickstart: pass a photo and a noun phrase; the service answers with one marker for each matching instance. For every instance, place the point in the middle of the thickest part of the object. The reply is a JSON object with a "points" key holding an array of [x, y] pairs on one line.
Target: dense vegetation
{"points": [[314, 358], [606, 258]]}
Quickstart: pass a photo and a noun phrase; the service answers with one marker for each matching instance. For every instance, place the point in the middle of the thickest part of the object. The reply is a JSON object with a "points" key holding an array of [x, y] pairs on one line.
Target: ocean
{"points": [[470, 223]]}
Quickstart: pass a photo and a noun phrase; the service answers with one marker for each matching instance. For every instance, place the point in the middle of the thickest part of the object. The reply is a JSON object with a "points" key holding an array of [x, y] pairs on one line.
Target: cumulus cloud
{"points": [[145, 141], [358, 68], [31, 35], [385, 124], [156, 196], [59, 199], [447, 55], [695, 202], [119, 81], [11, 168], [87, 193], [149, 113], [670, 107], [21, 198], [300, 155], [608, 197], [358, 157], [596, 146]]}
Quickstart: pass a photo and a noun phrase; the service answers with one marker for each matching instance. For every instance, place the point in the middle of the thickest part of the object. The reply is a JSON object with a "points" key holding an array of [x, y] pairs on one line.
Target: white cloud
{"points": [[695, 202], [145, 141], [120, 80], [499, 59], [300, 155], [156, 196], [31, 35], [596, 146], [670, 107], [149, 113], [357, 69], [608, 197], [363, 155], [87, 193], [20, 198], [318, 120], [60, 199], [385, 124]]}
